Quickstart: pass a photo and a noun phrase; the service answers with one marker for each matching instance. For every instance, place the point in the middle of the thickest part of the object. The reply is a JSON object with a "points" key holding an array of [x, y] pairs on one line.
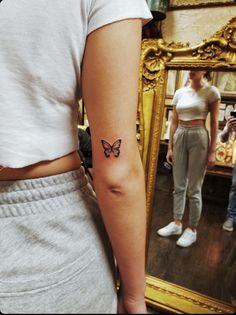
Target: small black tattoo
{"points": [[108, 149]]}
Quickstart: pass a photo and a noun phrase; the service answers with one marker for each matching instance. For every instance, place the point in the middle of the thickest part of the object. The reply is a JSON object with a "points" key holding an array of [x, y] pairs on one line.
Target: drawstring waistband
{"points": [[192, 127], [183, 132], [22, 197]]}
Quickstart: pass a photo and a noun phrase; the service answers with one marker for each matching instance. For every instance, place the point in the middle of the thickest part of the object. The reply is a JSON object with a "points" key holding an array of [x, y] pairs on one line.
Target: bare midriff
{"points": [[63, 164], [195, 122]]}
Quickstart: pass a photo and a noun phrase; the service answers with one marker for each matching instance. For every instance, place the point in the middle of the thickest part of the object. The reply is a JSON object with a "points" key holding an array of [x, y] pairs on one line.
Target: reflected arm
{"points": [[230, 126], [224, 136], [214, 111], [173, 127]]}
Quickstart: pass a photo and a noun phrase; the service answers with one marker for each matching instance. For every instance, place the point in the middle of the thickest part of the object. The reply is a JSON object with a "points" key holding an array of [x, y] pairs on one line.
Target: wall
{"points": [[194, 25]]}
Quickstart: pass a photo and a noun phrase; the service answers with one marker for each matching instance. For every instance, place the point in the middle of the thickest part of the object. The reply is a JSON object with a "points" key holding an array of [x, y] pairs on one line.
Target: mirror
{"points": [[186, 280]]}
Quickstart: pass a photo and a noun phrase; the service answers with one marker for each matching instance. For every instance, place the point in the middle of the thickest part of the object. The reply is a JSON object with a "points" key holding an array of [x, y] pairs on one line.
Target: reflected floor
{"points": [[201, 266]]}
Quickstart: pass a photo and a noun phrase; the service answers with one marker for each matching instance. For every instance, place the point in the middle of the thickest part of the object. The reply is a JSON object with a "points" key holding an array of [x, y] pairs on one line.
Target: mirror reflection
{"points": [[196, 197]]}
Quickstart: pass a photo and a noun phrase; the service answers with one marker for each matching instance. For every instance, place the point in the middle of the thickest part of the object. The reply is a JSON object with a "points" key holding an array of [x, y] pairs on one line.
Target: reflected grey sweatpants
{"points": [[55, 257], [190, 151]]}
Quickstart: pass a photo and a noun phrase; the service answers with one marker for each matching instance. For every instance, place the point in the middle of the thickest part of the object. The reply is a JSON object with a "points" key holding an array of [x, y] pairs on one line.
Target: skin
{"points": [[110, 73], [230, 127], [196, 82], [110, 91]]}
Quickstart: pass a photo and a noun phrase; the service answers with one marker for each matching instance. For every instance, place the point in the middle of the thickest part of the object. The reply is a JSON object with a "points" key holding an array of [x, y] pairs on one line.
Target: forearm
{"points": [[214, 131], [224, 136], [123, 209], [172, 131]]}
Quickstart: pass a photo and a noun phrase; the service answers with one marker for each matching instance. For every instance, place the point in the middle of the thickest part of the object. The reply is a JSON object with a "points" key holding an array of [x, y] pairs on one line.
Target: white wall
{"points": [[194, 25]]}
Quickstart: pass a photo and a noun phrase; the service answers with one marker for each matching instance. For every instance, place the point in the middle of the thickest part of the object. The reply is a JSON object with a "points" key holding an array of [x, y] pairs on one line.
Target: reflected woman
{"points": [[190, 151], [229, 130]]}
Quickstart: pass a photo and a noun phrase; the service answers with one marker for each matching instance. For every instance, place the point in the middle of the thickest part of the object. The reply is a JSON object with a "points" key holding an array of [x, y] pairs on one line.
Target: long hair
{"points": [[208, 76]]}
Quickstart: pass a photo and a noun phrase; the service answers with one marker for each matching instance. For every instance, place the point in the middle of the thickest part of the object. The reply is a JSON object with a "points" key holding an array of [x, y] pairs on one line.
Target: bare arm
{"points": [[214, 112], [173, 127], [224, 136], [230, 126], [110, 91]]}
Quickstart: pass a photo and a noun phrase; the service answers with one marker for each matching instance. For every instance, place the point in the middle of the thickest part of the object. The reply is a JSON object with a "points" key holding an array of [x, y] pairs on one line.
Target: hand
{"points": [[169, 156], [131, 305], [231, 123], [211, 159]]}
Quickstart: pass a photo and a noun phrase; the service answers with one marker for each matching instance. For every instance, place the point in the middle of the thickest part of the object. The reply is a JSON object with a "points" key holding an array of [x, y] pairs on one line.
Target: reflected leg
{"points": [[198, 141], [231, 211], [180, 167]]}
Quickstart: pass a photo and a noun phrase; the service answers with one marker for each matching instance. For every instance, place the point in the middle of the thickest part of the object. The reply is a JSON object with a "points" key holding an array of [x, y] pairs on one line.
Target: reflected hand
{"points": [[169, 157], [231, 123], [211, 160]]}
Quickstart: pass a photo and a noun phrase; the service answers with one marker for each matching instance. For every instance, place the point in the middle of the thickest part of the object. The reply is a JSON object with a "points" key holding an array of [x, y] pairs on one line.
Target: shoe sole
{"points": [[186, 245], [177, 233], [227, 229]]}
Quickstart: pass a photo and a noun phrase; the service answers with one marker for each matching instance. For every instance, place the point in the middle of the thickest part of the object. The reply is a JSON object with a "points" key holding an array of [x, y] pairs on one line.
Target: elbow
{"points": [[120, 181], [118, 190]]}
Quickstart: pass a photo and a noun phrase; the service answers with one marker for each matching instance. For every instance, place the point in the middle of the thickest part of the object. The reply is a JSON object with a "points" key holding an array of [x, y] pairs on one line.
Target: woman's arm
{"points": [[173, 127], [224, 135], [214, 124], [230, 126], [110, 91]]}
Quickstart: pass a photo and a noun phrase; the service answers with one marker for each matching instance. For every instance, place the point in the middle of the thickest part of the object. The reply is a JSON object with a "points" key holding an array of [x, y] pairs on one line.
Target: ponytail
{"points": [[207, 76]]}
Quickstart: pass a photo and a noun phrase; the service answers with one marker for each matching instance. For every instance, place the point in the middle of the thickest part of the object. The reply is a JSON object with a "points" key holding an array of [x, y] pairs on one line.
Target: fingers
{"points": [[231, 122], [169, 159], [211, 163]]}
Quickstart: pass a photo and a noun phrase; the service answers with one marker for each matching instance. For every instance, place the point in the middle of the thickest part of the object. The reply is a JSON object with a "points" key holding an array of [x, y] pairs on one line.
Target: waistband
{"points": [[30, 196], [192, 127]]}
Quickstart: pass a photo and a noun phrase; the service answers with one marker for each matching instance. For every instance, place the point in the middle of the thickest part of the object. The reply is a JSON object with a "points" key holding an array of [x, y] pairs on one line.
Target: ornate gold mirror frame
{"points": [[218, 53]]}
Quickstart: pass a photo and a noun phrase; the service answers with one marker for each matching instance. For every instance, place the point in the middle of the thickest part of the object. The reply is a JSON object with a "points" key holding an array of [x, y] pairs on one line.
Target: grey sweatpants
{"points": [[190, 151], [55, 257]]}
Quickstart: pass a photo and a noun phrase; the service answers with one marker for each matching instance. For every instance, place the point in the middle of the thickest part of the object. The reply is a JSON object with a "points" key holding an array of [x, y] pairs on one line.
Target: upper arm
{"points": [[174, 103], [110, 73], [214, 103], [175, 118], [214, 111]]}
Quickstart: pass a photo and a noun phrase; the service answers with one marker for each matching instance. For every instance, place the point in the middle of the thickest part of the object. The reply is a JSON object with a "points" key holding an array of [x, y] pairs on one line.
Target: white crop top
{"points": [[41, 49], [192, 104]]}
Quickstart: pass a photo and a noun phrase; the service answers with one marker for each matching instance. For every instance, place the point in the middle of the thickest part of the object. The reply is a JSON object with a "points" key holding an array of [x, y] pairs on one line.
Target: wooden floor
{"points": [[200, 267]]}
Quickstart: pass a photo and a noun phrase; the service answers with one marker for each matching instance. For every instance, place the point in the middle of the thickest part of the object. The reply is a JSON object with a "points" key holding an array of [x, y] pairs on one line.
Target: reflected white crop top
{"points": [[192, 104], [41, 50]]}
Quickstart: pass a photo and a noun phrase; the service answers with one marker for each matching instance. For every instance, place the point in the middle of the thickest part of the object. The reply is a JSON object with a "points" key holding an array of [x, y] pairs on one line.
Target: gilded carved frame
{"points": [[183, 4], [219, 53]]}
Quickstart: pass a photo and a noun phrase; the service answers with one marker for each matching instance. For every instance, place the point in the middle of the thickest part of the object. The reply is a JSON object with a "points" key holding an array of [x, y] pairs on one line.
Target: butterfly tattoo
{"points": [[114, 148]]}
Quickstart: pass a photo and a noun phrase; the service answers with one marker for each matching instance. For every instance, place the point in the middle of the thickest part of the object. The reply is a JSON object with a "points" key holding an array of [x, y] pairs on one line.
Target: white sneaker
{"points": [[228, 225], [188, 238], [170, 229]]}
